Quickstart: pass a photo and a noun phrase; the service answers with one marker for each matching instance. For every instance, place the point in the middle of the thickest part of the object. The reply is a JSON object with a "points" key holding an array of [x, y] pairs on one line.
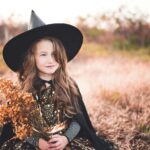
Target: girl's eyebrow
{"points": [[42, 52], [45, 52]]}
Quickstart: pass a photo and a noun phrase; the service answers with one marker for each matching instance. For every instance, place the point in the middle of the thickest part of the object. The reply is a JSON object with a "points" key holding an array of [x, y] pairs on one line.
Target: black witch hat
{"points": [[15, 49]]}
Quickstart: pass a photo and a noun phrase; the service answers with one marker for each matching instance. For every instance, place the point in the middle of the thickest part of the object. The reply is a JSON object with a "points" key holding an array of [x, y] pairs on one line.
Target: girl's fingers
{"points": [[55, 135], [53, 149], [58, 148], [57, 144], [53, 140]]}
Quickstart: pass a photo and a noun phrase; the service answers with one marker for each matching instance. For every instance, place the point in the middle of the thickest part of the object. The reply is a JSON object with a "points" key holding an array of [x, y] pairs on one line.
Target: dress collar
{"points": [[46, 81]]}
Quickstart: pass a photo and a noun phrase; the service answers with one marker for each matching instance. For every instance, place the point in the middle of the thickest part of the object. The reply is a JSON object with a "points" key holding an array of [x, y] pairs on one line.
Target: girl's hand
{"points": [[58, 142], [43, 145]]}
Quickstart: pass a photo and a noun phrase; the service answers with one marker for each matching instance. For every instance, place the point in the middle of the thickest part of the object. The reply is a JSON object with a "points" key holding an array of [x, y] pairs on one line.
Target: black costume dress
{"points": [[51, 113]]}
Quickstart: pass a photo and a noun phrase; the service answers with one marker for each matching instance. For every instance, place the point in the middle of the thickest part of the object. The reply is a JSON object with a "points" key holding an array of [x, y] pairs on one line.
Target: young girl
{"points": [[40, 56]]}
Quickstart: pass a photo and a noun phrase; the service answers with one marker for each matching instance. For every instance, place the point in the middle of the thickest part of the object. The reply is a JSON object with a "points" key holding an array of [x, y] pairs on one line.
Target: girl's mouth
{"points": [[50, 66]]}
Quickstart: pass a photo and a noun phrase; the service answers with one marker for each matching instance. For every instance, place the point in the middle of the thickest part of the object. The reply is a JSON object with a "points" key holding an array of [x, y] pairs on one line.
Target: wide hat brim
{"points": [[14, 51]]}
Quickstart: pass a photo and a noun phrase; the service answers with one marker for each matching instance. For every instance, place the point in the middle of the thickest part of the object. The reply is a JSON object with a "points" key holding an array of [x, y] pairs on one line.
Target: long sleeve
{"points": [[33, 140], [1, 129], [6, 133], [72, 131]]}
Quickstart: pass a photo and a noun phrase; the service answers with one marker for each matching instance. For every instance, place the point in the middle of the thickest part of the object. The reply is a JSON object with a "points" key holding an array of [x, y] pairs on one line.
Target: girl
{"points": [[40, 56]]}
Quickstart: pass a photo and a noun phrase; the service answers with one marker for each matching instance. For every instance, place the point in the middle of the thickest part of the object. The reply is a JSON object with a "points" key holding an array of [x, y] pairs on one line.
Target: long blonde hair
{"points": [[64, 85]]}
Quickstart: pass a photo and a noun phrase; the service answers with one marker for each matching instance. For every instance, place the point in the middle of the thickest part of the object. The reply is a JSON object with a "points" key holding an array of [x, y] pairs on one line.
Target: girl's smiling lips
{"points": [[50, 66]]}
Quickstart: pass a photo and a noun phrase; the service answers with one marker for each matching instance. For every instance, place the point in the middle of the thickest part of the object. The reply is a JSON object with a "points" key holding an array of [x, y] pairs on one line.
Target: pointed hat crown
{"points": [[35, 21]]}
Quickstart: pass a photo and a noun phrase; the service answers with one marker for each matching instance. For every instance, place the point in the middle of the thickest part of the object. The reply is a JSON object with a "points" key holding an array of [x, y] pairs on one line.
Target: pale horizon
{"points": [[66, 10]]}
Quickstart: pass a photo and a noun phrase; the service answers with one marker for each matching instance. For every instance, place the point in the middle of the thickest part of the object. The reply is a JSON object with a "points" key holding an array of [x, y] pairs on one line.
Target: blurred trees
{"points": [[133, 30], [10, 28], [121, 29]]}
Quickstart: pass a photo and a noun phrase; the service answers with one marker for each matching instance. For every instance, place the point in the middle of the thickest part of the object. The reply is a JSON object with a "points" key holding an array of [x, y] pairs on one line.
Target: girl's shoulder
{"points": [[75, 85], [74, 82]]}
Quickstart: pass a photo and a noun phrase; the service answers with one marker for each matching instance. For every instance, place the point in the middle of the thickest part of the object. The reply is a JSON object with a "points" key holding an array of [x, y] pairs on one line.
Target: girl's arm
{"points": [[33, 140], [6, 132], [1, 129], [72, 131]]}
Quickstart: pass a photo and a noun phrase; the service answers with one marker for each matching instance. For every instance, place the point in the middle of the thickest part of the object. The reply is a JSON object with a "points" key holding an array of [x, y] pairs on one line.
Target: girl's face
{"points": [[44, 59]]}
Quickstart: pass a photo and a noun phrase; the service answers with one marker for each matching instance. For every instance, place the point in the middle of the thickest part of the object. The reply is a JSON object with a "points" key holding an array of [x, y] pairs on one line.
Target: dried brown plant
{"points": [[16, 106]]}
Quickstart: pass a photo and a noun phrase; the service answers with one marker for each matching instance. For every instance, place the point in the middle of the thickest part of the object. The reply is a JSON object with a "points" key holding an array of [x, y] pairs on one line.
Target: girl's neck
{"points": [[46, 78]]}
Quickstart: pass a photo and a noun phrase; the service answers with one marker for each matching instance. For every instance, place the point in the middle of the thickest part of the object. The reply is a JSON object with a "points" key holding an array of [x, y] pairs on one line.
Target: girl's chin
{"points": [[50, 72]]}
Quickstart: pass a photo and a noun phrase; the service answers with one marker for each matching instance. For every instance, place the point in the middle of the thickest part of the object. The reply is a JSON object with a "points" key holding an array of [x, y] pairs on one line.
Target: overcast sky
{"points": [[67, 10]]}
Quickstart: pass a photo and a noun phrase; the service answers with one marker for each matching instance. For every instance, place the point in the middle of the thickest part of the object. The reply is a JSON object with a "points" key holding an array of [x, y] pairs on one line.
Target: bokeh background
{"points": [[112, 68]]}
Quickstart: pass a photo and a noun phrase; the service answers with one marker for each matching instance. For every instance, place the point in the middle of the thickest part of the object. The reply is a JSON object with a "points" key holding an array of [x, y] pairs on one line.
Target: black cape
{"points": [[87, 130]]}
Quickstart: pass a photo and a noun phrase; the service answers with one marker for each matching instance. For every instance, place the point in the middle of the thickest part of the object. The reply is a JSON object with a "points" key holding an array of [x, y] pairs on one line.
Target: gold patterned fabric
{"points": [[50, 114], [53, 114]]}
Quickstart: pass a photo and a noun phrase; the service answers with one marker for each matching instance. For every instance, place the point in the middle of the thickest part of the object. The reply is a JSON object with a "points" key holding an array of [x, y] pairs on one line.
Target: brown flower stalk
{"points": [[18, 107]]}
